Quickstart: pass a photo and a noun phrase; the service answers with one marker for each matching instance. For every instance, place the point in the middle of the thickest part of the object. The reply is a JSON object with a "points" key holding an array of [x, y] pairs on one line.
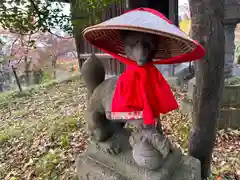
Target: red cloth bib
{"points": [[142, 92]]}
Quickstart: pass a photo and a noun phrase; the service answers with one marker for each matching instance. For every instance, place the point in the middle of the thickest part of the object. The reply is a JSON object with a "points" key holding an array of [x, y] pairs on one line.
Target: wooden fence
{"points": [[112, 66]]}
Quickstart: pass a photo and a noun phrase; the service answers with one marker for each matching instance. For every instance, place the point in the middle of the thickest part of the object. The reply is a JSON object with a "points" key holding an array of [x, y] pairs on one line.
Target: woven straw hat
{"points": [[175, 46]]}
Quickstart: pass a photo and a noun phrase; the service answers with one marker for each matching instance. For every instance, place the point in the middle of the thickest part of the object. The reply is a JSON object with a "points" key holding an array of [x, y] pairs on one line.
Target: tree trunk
{"points": [[37, 76], [1, 86], [27, 70], [77, 31], [207, 28], [132, 4], [17, 79], [54, 63]]}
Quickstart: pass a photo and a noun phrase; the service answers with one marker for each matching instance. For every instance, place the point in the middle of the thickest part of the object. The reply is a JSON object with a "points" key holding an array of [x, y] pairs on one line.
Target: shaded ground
{"points": [[41, 132], [226, 155]]}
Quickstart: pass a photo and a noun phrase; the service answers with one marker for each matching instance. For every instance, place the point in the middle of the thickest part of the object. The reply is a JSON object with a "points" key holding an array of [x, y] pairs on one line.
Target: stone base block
{"points": [[228, 118], [97, 165]]}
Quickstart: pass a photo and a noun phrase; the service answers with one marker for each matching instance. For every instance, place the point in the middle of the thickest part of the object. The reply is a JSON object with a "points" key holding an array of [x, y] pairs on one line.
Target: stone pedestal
{"points": [[230, 105], [98, 165], [229, 49]]}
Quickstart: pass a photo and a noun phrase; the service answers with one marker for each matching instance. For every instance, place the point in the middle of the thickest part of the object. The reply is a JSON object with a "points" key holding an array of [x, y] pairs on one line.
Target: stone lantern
{"points": [[232, 18]]}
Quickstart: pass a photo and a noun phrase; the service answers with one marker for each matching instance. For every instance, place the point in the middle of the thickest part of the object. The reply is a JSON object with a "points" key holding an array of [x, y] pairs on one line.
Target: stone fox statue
{"points": [[138, 46], [139, 38]]}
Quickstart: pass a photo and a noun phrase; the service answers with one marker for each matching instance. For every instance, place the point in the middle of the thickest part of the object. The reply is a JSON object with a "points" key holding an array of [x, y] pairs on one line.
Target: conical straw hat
{"points": [[175, 46]]}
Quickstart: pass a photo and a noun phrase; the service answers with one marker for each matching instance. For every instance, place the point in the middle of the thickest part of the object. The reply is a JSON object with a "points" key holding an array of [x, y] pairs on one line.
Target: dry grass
{"points": [[41, 132]]}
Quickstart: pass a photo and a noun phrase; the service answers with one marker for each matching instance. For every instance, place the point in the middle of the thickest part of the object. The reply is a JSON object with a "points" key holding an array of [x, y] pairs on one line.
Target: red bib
{"points": [[142, 92]]}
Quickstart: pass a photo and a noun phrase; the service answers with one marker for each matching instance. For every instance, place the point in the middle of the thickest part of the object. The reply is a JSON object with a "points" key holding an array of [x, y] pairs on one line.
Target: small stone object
{"points": [[145, 155], [150, 147]]}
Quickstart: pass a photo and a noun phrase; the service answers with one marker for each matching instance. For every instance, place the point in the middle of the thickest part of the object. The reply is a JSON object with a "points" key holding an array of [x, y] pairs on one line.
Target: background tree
{"points": [[17, 51], [31, 16], [207, 27], [11, 46], [34, 54], [52, 48]]}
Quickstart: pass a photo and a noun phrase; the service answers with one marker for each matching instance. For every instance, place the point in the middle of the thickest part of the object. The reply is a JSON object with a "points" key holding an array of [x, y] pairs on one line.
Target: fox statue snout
{"points": [[140, 47]]}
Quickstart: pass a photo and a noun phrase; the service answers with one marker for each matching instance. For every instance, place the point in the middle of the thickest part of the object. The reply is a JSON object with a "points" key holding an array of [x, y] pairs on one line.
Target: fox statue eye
{"points": [[134, 43]]}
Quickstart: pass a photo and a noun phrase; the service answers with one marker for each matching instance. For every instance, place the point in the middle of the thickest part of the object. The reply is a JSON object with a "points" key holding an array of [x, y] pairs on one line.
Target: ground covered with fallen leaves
{"points": [[42, 131]]}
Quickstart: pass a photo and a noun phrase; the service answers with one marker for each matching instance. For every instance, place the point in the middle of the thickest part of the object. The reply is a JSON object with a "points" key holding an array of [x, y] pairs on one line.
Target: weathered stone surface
{"points": [[229, 49], [230, 111], [90, 169], [232, 9], [189, 169], [231, 94], [228, 118], [232, 13], [97, 165], [191, 85]]}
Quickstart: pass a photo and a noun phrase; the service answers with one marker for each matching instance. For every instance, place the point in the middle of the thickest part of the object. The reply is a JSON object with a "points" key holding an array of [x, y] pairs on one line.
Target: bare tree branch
{"points": [[58, 35]]}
